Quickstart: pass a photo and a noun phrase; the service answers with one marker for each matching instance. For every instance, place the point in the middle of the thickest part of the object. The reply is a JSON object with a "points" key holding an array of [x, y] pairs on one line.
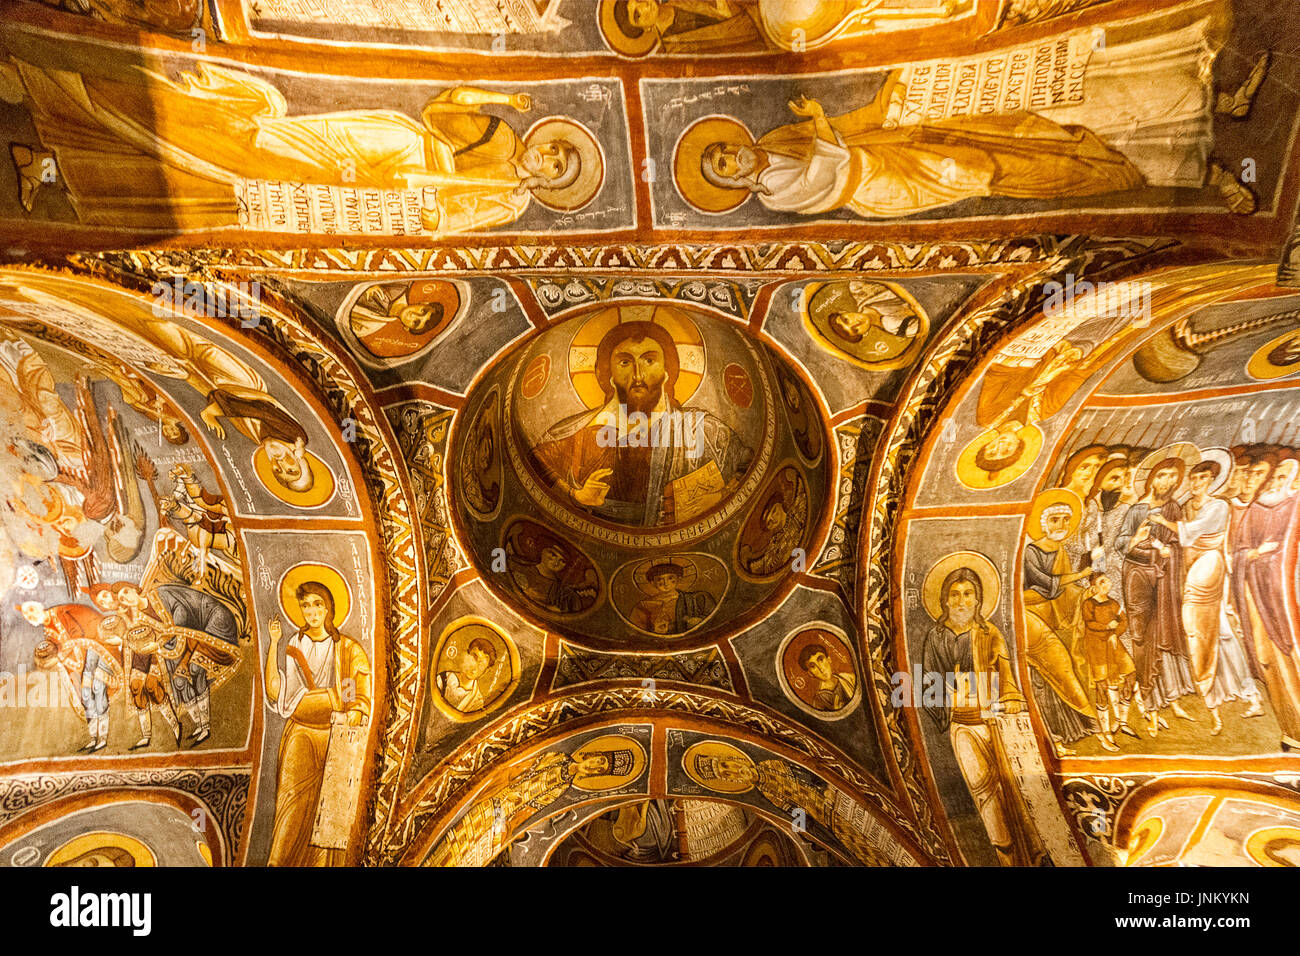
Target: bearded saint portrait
{"points": [[641, 458]]}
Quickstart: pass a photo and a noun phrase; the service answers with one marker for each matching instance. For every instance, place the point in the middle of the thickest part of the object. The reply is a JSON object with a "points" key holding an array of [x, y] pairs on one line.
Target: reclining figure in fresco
{"points": [[1146, 120], [137, 149]]}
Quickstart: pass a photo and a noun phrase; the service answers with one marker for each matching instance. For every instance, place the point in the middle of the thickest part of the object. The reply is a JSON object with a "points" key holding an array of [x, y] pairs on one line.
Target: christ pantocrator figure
{"points": [[642, 458]]}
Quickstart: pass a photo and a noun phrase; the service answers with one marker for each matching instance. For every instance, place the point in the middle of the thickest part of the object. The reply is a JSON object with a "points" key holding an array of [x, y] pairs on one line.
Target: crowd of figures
{"points": [[1154, 577], [148, 580], [161, 642]]}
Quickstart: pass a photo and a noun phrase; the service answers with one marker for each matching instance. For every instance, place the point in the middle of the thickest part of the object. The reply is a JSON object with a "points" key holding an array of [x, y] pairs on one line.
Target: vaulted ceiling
{"points": [[648, 432]]}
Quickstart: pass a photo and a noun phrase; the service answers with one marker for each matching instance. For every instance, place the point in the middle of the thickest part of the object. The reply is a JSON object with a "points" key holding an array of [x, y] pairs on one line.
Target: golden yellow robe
{"points": [[984, 677], [1051, 638], [877, 172], [302, 757], [857, 831], [489, 823], [712, 26], [136, 149]]}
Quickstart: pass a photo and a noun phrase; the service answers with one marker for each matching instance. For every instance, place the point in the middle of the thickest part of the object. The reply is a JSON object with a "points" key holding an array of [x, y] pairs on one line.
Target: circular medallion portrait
{"points": [[393, 321], [547, 573], [293, 474], [669, 596], [621, 759], [817, 672], [1276, 358], [772, 536], [118, 830], [480, 467], [475, 667], [998, 456], [720, 767], [102, 849], [877, 325], [800, 409]]}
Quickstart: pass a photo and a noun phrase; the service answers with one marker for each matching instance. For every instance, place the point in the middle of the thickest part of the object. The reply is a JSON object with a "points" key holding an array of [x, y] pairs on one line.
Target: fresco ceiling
{"points": [[649, 432]]}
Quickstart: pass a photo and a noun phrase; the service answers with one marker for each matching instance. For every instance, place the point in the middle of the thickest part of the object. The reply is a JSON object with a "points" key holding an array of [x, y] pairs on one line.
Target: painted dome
{"points": [[640, 474]]}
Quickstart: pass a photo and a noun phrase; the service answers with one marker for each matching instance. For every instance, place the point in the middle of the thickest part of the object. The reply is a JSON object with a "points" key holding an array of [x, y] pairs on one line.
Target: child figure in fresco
{"points": [[1110, 668]]}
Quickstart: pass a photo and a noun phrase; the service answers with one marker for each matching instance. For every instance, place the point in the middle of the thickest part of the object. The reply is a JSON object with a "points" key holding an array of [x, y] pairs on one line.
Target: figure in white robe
{"points": [[1220, 664], [1152, 127]]}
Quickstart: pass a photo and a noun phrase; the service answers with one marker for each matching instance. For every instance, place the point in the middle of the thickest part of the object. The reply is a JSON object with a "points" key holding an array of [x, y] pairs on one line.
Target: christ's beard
{"points": [[640, 398]]}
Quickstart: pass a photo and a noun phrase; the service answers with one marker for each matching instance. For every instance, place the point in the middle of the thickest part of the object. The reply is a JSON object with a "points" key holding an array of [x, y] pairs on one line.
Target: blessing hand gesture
{"points": [[803, 106], [594, 489]]}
